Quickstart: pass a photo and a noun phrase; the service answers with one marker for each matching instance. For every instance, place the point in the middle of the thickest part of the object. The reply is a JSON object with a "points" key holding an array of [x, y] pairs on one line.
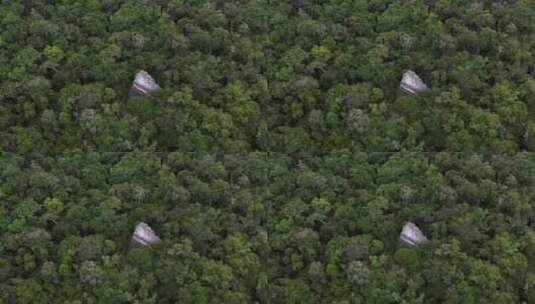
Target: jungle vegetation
{"points": [[278, 161]]}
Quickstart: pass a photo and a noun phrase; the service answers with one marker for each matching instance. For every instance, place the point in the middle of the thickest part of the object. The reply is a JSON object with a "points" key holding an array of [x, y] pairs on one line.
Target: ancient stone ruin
{"points": [[411, 235], [412, 83], [143, 235], [144, 83]]}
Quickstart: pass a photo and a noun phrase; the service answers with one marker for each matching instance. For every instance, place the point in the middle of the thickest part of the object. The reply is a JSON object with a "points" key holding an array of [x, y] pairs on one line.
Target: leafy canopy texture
{"points": [[273, 149]]}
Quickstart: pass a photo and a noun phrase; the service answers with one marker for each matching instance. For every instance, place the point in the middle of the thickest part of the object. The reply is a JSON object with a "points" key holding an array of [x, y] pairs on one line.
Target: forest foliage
{"points": [[278, 161]]}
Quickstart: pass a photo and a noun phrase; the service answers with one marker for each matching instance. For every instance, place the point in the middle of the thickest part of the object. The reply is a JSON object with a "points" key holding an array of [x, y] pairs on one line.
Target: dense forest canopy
{"points": [[279, 159]]}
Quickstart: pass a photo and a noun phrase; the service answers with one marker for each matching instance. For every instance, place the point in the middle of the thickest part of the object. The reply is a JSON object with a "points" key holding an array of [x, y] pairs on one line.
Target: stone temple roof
{"points": [[144, 235], [412, 235], [144, 83], [412, 83]]}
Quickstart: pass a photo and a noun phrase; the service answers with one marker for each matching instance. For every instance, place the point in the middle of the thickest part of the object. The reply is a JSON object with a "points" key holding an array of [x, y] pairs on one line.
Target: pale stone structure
{"points": [[144, 235], [412, 83], [144, 83], [412, 235]]}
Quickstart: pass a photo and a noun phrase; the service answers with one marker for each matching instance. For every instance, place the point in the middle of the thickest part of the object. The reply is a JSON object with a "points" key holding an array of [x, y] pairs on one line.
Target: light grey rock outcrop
{"points": [[412, 235], [144, 235], [144, 83], [412, 83]]}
